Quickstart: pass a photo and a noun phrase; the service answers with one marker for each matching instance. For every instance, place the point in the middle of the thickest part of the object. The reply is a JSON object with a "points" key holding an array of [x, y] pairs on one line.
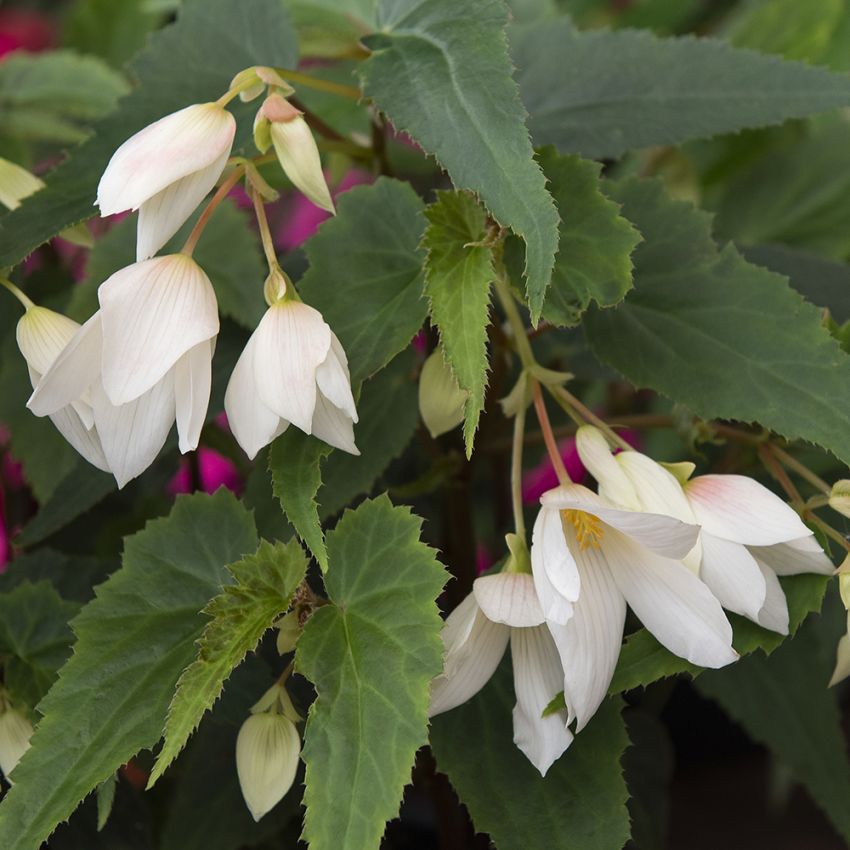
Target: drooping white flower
{"points": [[500, 609], [748, 535], [42, 335], [280, 123], [15, 734], [293, 370], [143, 360], [267, 751], [589, 560], [165, 170]]}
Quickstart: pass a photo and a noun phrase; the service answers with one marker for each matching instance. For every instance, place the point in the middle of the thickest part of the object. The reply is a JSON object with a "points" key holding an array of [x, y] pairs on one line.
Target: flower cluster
{"points": [[115, 385], [676, 550]]}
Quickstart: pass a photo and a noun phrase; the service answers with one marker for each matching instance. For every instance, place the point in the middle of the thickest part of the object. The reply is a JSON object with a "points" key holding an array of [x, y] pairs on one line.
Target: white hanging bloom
{"points": [[143, 359], [166, 170], [267, 750], [295, 148], [15, 734], [748, 537], [504, 608], [589, 560], [293, 370]]}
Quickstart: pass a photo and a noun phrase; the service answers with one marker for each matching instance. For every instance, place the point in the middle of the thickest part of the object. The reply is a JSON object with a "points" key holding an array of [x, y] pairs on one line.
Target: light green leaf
{"points": [[458, 274], [182, 64], [241, 615], [602, 93], [441, 72], [581, 804], [133, 640], [371, 655], [725, 338], [53, 96], [783, 702], [295, 461], [35, 639], [644, 660], [365, 274], [594, 253]]}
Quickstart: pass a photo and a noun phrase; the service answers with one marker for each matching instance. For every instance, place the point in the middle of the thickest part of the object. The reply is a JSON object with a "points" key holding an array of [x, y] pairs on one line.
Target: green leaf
{"points": [[365, 274], [72, 576], [371, 655], [182, 64], [389, 416], [105, 796], [241, 615], [725, 338], [441, 72], [783, 702], [228, 252], [35, 639], [133, 641], [602, 93], [295, 465], [581, 804], [458, 274], [594, 252], [644, 660], [52, 96]]}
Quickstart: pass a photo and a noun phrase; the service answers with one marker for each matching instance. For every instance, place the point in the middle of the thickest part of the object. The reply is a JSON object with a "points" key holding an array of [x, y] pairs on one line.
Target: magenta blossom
{"points": [[215, 471]]}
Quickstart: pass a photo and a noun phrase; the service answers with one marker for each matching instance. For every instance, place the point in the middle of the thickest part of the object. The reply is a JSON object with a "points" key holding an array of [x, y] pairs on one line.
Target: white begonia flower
{"points": [[166, 170], [293, 370], [267, 751], [295, 148], [504, 608], [748, 535], [15, 734], [143, 359], [589, 560], [42, 335]]}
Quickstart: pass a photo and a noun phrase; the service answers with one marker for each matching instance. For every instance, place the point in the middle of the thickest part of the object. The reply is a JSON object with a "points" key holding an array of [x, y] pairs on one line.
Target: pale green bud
{"points": [[839, 498], [288, 631], [267, 750], [275, 286], [15, 734], [441, 400], [519, 560], [256, 79], [16, 183], [681, 471]]}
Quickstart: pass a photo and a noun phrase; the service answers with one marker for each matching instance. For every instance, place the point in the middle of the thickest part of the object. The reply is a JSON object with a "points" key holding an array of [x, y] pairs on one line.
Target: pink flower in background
{"points": [[305, 217], [5, 548], [23, 30], [483, 559], [215, 471]]}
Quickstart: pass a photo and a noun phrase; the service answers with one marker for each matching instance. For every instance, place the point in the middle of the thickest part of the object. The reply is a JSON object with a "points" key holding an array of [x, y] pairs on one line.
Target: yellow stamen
{"points": [[588, 528]]}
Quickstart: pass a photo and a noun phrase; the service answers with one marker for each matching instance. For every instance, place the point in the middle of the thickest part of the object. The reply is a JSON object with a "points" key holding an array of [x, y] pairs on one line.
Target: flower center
{"points": [[588, 528]]}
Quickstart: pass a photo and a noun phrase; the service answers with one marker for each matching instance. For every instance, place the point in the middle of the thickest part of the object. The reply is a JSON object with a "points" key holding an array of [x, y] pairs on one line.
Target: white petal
{"points": [[774, 613], [85, 440], [733, 576], [132, 434], [551, 559], [192, 383], [671, 602], [803, 555], [252, 423], [333, 426], [334, 380], [614, 483], [152, 314], [299, 157], [509, 598], [72, 373], [291, 341], [162, 153], [589, 644], [474, 647], [163, 214], [740, 509], [42, 335], [538, 678], [662, 534]]}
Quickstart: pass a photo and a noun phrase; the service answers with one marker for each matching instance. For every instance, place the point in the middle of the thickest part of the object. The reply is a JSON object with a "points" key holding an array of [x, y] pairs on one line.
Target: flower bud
{"points": [[839, 498], [16, 183], [275, 287], [267, 751], [288, 631], [15, 734], [441, 400], [256, 79], [295, 148]]}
